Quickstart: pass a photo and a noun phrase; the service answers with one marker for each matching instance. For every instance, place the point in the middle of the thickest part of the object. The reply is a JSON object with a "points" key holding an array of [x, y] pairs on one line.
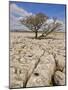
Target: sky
{"points": [[21, 9], [52, 10]]}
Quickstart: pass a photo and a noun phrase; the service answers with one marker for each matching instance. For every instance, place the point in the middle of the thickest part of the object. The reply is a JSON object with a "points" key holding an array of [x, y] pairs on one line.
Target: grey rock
{"points": [[59, 78], [43, 73], [64, 70], [60, 61]]}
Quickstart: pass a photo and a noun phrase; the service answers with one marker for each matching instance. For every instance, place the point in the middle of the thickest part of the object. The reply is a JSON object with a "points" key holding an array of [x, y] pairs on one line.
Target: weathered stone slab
{"points": [[59, 78], [42, 75]]}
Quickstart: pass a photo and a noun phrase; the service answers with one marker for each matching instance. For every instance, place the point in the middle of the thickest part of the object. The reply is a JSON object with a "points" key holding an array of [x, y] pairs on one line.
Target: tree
{"points": [[53, 26], [34, 22]]}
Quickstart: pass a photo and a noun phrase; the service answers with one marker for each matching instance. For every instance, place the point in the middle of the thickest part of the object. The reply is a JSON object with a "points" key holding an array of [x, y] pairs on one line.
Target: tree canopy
{"points": [[35, 22]]}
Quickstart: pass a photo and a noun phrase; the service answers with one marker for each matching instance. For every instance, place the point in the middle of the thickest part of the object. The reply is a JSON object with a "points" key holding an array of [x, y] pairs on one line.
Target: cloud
{"points": [[15, 14], [15, 24], [14, 9], [50, 21]]}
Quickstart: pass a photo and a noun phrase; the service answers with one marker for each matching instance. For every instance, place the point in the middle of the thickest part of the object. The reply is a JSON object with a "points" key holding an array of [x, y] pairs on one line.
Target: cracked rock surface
{"points": [[35, 62]]}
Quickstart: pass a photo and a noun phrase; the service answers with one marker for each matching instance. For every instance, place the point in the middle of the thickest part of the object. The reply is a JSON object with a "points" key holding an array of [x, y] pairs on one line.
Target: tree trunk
{"points": [[36, 34]]}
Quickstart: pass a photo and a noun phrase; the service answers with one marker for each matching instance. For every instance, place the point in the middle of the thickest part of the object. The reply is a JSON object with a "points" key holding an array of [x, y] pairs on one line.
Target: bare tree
{"points": [[49, 28], [34, 22]]}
